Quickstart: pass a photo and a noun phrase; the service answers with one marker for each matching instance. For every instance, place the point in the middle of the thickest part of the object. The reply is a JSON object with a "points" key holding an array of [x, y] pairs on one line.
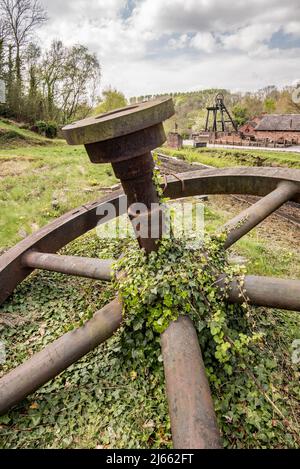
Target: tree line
{"points": [[191, 106], [56, 84]]}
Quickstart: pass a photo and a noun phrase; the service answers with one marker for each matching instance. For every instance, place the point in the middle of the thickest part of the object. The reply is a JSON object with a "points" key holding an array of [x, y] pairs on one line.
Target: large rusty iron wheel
{"points": [[191, 410]]}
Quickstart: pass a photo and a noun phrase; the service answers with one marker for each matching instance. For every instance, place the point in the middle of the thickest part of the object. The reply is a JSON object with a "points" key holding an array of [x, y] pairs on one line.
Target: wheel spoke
{"points": [[240, 225], [266, 291], [97, 269], [58, 356], [193, 419]]}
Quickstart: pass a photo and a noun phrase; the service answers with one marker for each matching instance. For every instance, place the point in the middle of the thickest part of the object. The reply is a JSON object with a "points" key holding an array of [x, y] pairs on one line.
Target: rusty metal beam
{"points": [[256, 213], [98, 269], [56, 357], [267, 291], [193, 420], [244, 180]]}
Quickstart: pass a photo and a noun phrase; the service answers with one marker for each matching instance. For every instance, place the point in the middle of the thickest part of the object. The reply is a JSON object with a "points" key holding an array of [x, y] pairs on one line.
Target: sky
{"points": [[156, 46]]}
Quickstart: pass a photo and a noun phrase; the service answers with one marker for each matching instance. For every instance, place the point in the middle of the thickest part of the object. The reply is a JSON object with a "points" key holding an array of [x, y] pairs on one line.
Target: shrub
{"points": [[48, 129], [40, 127], [51, 130]]}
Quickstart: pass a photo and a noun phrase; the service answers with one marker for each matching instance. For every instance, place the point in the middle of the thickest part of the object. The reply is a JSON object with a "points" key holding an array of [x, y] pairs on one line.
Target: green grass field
{"points": [[91, 404], [41, 182], [222, 157]]}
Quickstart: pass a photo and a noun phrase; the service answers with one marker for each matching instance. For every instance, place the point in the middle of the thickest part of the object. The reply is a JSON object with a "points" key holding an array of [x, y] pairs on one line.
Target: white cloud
{"points": [[179, 43], [204, 41], [293, 28], [211, 15], [166, 45], [250, 37]]}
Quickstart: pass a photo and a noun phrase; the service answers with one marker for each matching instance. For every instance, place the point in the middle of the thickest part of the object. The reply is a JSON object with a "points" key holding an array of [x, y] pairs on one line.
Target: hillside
{"points": [[40, 179], [191, 106], [14, 135]]}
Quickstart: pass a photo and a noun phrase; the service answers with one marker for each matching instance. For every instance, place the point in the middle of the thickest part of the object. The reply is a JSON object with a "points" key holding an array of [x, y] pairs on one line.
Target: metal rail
{"points": [[182, 165], [279, 213]]}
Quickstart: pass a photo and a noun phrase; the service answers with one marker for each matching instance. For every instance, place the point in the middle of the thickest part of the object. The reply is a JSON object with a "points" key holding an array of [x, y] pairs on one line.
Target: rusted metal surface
{"points": [[290, 211], [136, 176], [125, 138], [97, 269], [252, 216], [244, 180], [126, 147], [261, 291], [267, 291], [124, 121], [191, 408], [56, 357]]}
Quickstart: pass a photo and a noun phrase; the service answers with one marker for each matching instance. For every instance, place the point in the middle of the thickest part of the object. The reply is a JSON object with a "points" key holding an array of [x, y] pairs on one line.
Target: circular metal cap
{"points": [[119, 122]]}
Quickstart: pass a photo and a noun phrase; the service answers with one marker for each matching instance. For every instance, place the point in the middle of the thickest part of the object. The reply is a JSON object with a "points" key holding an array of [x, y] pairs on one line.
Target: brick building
{"points": [[279, 127], [248, 129]]}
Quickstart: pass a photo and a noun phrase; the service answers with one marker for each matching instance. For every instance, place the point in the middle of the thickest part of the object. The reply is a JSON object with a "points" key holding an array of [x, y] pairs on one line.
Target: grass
{"points": [[14, 135], [40, 183], [89, 405], [221, 158], [278, 258]]}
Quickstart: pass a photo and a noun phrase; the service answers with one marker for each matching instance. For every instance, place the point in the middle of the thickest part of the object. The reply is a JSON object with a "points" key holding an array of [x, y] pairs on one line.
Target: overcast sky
{"points": [[153, 46]]}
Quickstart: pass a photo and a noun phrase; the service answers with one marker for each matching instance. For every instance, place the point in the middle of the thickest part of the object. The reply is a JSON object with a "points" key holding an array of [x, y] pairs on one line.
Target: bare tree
{"points": [[52, 72], [20, 18], [2, 39], [81, 77]]}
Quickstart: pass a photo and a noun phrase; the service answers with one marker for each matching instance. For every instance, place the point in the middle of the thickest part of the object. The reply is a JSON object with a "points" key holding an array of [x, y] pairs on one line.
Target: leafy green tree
{"points": [[113, 99], [51, 70], [81, 76], [2, 44], [33, 102], [20, 18], [269, 105], [240, 114]]}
